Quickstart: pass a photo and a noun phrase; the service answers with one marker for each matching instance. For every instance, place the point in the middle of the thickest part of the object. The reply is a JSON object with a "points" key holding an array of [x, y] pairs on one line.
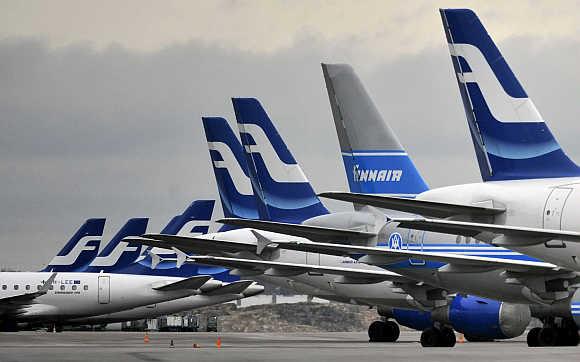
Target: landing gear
{"points": [[438, 337], [551, 335], [384, 331]]}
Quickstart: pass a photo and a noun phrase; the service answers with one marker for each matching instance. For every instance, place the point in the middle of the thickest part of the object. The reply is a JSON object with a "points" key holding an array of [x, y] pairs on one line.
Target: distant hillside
{"points": [[296, 317]]}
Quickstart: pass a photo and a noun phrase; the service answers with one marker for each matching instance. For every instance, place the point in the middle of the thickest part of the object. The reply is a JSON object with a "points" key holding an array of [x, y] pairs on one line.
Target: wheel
{"points": [[568, 336], [547, 337], [391, 331], [430, 337], [532, 337], [447, 337], [376, 331]]}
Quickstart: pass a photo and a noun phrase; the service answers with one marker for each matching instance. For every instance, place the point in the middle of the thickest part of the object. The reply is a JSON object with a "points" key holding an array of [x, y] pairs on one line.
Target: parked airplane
{"points": [[281, 204], [109, 294], [537, 200]]}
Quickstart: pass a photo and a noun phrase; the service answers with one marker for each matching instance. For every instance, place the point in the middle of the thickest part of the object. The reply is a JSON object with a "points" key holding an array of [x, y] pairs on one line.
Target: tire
{"points": [[391, 331], [532, 337], [548, 337], [447, 337], [430, 337], [568, 336], [376, 331]]}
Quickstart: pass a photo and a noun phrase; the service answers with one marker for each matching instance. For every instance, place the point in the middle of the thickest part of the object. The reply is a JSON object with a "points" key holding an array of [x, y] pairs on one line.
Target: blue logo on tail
{"points": [[511, 139], [283, 191], [80, 250]]}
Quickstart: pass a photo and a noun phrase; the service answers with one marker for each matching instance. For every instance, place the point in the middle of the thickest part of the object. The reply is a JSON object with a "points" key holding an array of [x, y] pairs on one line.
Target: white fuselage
{"points": [[541, 203], [77, 295]]}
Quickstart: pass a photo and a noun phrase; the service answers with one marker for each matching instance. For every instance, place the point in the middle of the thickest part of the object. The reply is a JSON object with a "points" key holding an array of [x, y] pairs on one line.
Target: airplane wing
{"points": [[13, 303], [193, 283], [502, 235], [314, 233], [190, 244], [414, 206], [383, 256], [272, 268]]}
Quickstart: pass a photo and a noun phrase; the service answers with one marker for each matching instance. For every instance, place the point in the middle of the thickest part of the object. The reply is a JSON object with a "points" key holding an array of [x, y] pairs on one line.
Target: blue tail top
{"points": [[511, 139], [230, 170], [283, 191], [375, 161], [119, 253], [199, 210], [80, 250]]}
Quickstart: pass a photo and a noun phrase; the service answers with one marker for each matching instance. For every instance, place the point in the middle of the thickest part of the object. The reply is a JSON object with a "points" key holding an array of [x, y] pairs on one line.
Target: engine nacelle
{"points": [[472, 316], [414, 319]]}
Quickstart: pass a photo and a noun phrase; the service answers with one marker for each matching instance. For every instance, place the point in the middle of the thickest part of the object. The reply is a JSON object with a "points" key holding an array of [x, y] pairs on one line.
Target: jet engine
{"points": [[477, 318]]}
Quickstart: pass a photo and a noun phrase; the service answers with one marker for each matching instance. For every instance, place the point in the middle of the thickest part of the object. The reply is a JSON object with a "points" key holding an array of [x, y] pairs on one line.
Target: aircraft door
{"points": [[553, 213], [104, 289], [313, 258]]}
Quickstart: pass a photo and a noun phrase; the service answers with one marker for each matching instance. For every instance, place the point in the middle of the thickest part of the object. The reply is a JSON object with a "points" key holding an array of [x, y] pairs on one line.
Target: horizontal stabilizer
{"points": [[314, 233], [271, 267], [193, 283], [502, 235], [414, 206]]}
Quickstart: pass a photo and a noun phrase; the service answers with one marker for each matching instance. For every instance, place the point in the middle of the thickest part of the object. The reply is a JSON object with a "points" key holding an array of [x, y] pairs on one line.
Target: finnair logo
{"points": [[115, 255], [372, 175], [395, 241], [502, 106], [75, 252], [279, 171], [231, 164]]}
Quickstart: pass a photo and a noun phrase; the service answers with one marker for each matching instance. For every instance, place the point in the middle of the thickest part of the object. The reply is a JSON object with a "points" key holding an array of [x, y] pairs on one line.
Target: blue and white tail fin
{"points": [[119, 254], [511, 139], [374, 160], [194, 220], [80, 250], [230, 170], [283, 191]]}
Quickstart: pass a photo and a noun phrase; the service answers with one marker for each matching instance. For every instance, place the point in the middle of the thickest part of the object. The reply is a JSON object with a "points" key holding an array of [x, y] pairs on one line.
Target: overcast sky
{"points": [[100, 102]]}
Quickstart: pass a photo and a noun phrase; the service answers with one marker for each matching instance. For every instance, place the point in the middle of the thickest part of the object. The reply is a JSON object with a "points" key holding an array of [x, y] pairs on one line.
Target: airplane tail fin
{"points": [[80, 250], [510, 137], [230, 169], [199, 210], [118, 253], [281, 188], [374, 160]]}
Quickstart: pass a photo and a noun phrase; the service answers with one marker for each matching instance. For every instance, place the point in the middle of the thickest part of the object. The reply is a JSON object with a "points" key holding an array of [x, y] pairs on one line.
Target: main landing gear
{"points": [[551, 335], [384, 331], [438, 337]]}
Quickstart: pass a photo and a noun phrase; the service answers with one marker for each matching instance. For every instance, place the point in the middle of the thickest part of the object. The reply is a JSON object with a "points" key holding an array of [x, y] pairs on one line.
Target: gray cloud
{"points": [[117, 133]]}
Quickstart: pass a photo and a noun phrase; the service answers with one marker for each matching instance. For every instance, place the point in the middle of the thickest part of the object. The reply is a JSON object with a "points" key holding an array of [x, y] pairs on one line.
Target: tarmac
{"points": [[280, 347]]}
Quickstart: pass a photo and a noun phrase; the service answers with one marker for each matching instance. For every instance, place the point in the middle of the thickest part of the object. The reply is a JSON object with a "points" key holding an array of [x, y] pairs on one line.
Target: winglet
{"points": [[181, 257], [46, 286], [262, 242]]}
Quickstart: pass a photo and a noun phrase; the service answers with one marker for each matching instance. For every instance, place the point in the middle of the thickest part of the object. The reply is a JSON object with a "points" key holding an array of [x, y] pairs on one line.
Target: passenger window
{"points": [[4, 287], [86, 287], [27, 287], [16, 286], [62, 287], [74, 287]]}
